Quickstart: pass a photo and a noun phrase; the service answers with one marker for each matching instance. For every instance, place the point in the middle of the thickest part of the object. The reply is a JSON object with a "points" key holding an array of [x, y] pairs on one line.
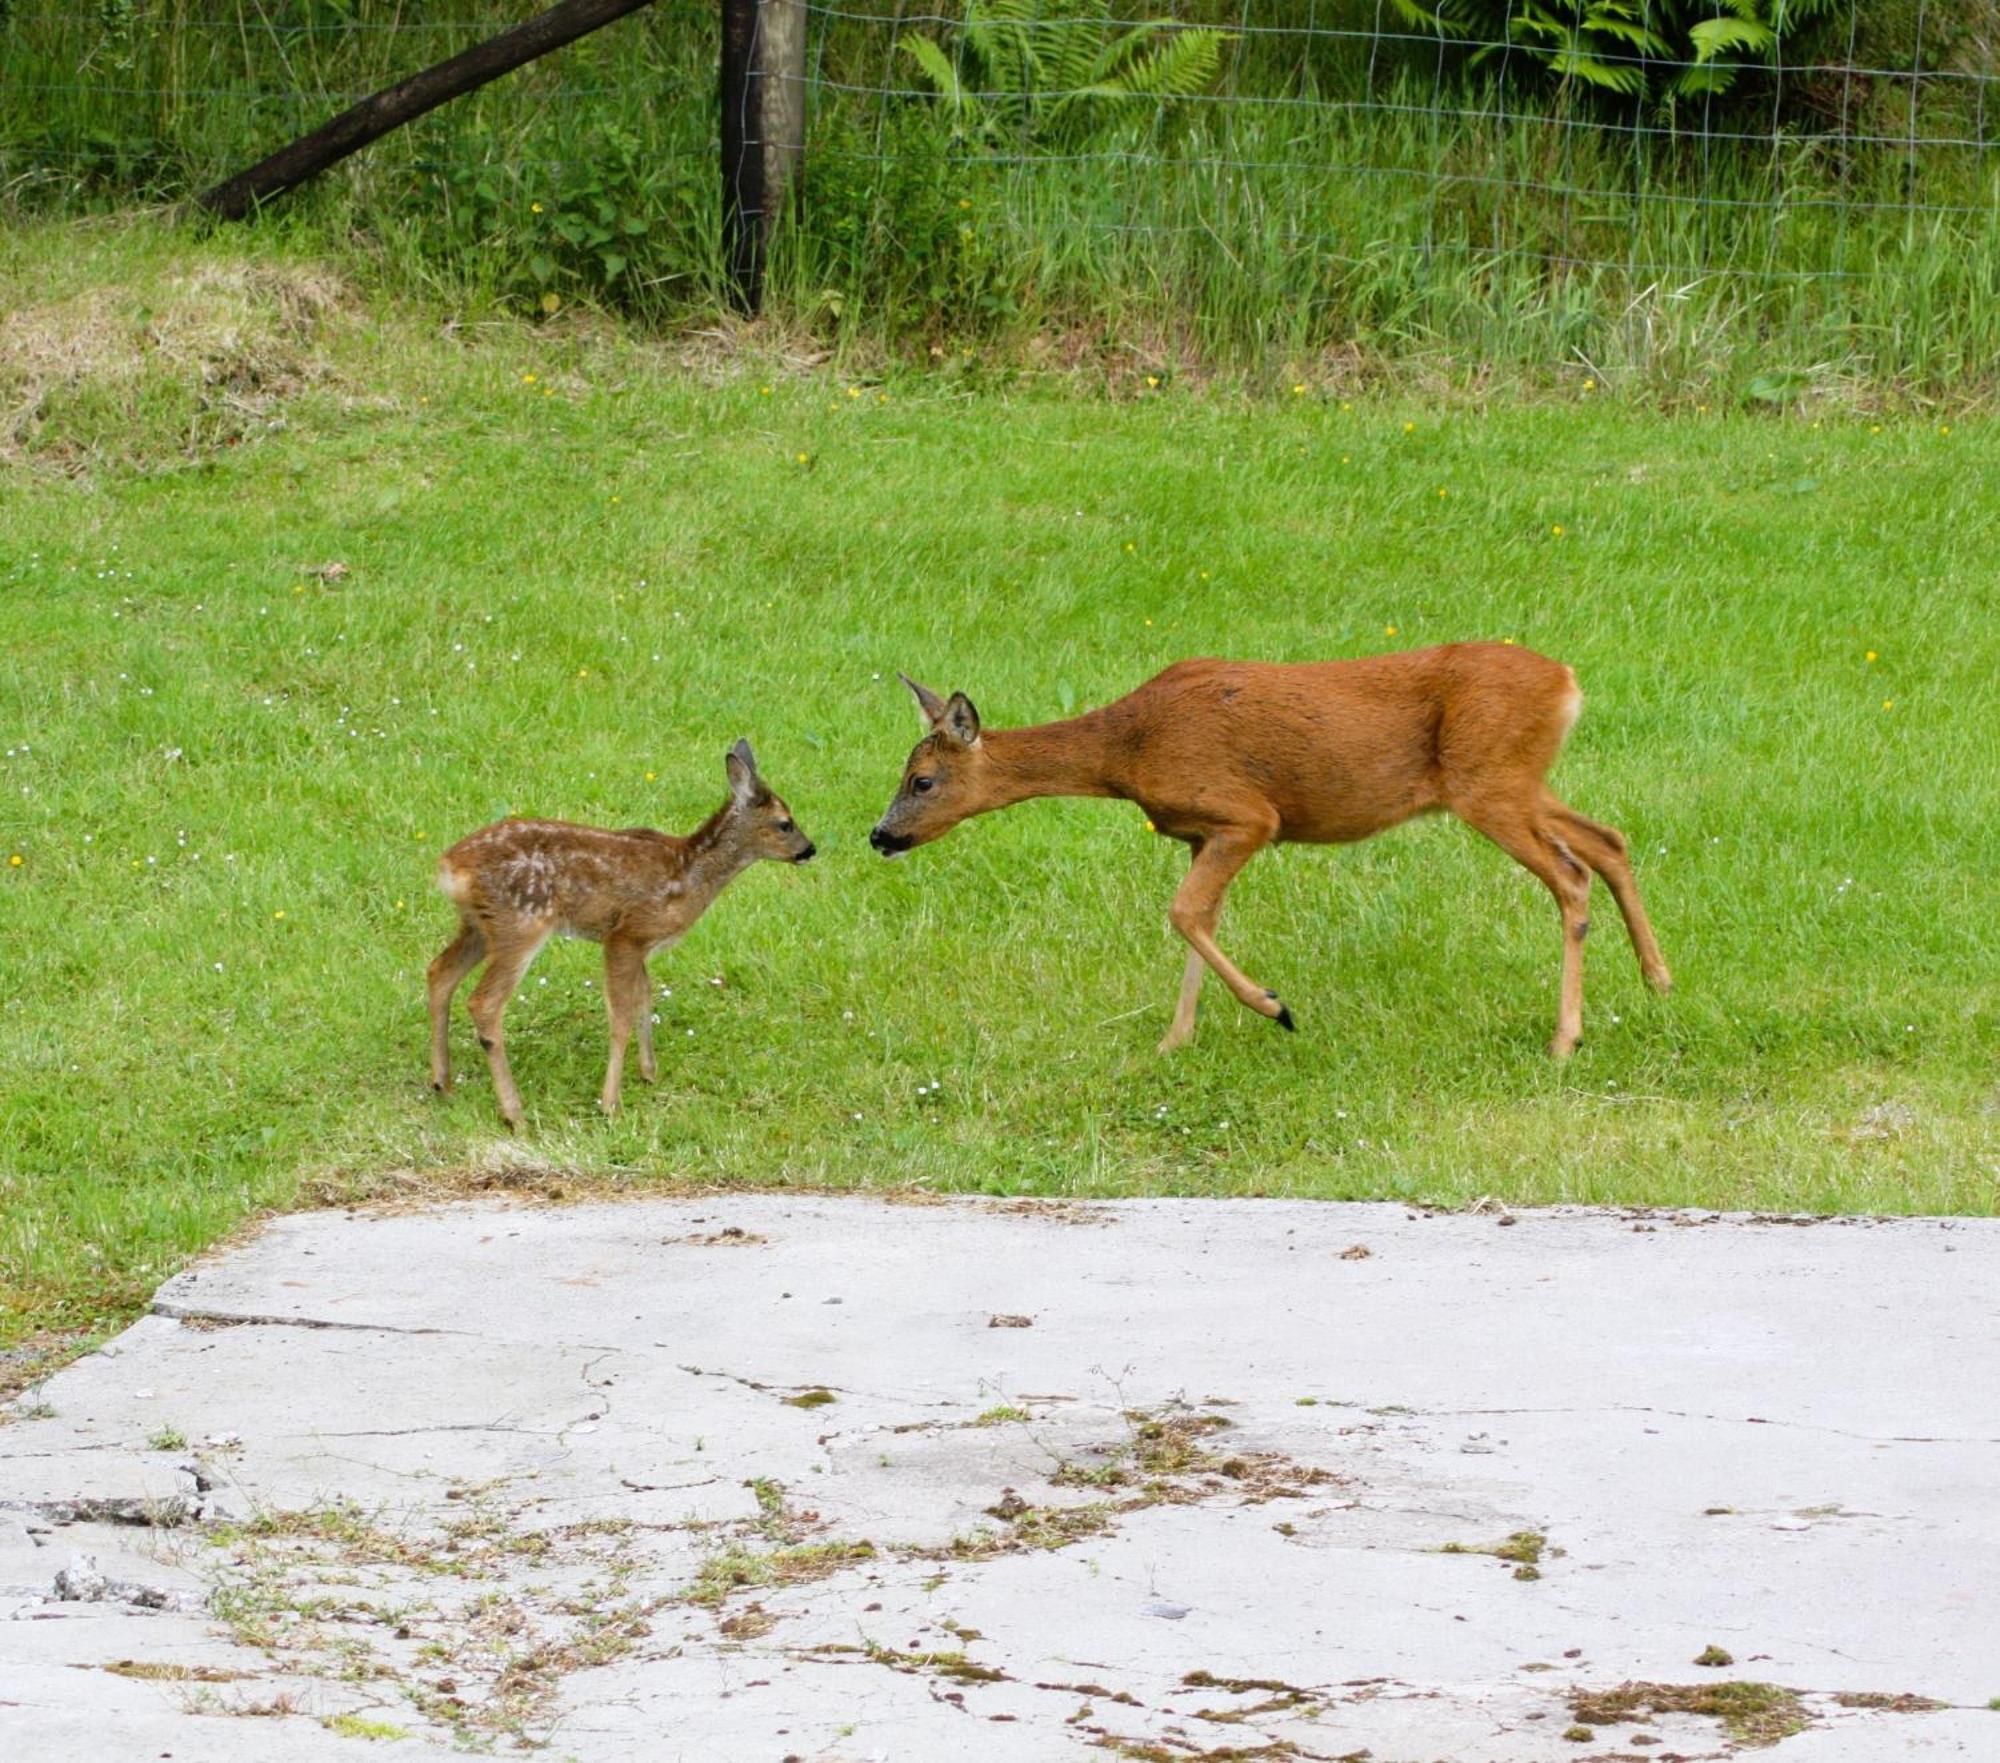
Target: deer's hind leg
{"points": [[446, 975], [1539, 841], [1603, 848], [490, 997]]}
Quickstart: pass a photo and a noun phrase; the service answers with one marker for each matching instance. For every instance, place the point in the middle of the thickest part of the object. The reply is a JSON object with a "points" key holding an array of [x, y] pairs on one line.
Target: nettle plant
{"points": [[1658, 49], [1057, 73]]}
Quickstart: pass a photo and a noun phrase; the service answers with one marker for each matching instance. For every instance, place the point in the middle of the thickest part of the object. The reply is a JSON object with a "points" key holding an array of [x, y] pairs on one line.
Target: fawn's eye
{"points": [[785, 826], [920, 785]]}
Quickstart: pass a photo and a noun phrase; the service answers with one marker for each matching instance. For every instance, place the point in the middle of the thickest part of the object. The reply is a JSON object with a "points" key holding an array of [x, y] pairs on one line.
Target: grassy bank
{"points": [[1336, 201], [574, 571]]}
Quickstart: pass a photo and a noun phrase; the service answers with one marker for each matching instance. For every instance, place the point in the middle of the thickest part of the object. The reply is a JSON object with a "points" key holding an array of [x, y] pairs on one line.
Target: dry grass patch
{"points": [[198, 361]]}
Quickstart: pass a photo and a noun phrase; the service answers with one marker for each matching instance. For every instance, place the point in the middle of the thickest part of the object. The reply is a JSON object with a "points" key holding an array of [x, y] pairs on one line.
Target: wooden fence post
{"points": [[763, 130]]}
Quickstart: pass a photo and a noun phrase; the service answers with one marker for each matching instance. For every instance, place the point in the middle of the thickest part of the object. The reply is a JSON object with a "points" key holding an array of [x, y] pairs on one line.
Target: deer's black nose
{"points": [[887, 843], [807, 855]]}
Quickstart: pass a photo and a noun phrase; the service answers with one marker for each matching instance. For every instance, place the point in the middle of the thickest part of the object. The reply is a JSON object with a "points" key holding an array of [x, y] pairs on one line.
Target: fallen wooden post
{"points": [[388, 109]]}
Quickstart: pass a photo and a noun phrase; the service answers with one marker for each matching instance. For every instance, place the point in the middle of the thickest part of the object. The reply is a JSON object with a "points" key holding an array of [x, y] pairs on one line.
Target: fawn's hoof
{"points": [[1663, 981], [1563, 1046], [1282, 1016]]}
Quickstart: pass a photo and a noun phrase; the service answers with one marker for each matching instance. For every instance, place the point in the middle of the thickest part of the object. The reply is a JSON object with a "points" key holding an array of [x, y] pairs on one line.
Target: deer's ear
{"points": [[741, 766], [961, 720], [929, 705]]}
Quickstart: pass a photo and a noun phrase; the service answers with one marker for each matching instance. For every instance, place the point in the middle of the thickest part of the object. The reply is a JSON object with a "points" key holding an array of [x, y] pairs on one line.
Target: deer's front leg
{"points": [[625, 989], [1182, 1029], [1198, 905], [647, 1068]]}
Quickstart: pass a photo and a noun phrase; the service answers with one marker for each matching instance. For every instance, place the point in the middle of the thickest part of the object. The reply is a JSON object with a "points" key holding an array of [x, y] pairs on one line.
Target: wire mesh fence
{"points": [[1279, 172]]}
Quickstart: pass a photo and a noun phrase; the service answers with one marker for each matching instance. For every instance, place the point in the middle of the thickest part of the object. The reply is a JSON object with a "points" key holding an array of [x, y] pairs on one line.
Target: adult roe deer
{"points": [[519, 882], [1231, 756]]}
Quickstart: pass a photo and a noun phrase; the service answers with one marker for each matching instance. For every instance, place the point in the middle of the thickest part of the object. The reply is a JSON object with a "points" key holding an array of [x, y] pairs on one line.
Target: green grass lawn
{"points": [[576, 570]]}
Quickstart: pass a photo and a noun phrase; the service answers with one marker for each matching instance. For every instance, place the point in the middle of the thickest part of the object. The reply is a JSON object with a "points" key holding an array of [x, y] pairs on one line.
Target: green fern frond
{"points": [[935, 65], [1716, 36], [1181, 65]]}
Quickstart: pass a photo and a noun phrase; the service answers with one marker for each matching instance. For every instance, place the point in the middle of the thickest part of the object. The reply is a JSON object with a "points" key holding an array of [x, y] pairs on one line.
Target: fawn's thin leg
{"points": [[1198, 904], [625, 989], [447, 973], [1538, 842], [489, 1005], [647, 1068], [1182, 1029], [1603, 848]]}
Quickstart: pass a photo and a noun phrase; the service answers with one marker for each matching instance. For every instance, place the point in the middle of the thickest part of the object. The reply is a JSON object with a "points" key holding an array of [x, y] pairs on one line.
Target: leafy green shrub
{"points": [[1054, 73], [608, 220], [1657, 49]]}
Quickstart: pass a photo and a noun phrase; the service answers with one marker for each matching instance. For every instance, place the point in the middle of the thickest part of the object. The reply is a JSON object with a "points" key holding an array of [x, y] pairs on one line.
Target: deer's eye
{"points": [[922, 785], [785, 826]]}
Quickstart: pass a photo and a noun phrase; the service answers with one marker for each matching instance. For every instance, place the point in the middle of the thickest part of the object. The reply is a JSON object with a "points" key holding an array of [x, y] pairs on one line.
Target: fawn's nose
{"points": [[807, 855]]}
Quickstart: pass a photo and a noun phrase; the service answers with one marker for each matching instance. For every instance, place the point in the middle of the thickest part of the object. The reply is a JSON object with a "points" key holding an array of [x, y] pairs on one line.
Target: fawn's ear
{"points": [[960, 720], [929, 705], [744, 783]]}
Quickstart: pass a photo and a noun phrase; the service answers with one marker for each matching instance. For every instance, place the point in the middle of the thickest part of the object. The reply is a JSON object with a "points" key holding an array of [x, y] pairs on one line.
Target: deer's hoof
{"points": [[1282, 1016], [1663, 981], [1562, 1047], [1170, 1042]]}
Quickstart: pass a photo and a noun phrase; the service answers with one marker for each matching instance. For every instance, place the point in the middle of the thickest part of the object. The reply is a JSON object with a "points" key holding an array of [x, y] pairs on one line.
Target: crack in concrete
{"points": [[236, 1319], [407, 1432], [785, 1390], [1393, 1411]]}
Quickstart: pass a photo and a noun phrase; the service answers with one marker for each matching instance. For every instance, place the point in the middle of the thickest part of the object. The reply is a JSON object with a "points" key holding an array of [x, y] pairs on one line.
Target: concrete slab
{"points": [[773, 1476]]}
